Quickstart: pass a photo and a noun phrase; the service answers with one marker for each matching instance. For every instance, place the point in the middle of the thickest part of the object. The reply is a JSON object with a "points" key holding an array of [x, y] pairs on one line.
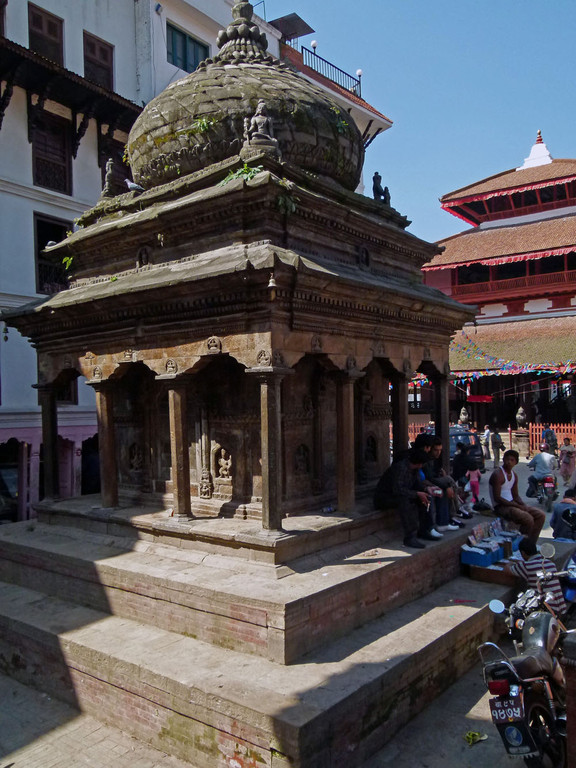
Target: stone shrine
{"points": [[250, 326], [241, 320]]}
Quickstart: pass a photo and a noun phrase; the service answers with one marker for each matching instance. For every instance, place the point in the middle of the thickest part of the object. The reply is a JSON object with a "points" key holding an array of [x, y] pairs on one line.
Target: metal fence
{"points": [[332, 72], [562, 431]]}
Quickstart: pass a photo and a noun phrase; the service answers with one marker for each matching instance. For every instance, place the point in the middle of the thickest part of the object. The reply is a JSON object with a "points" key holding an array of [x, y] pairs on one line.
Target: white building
{"points": [[74, 75]]}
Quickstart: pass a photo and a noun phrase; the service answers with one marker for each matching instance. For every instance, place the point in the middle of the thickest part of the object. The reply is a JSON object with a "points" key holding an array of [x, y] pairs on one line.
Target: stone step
{"points": [[301, 535], [277, 612], [218, 708]]}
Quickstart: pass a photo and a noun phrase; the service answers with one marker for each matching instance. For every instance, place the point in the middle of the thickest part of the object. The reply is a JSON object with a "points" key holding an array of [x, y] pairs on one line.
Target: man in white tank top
{"points": [[508, 504]]}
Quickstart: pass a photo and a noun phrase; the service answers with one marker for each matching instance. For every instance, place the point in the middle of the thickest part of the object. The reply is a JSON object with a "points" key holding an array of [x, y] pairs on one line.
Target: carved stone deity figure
{"points": [[464, 416], [258, 131], [206, 486], [224, 464], [107, 190], [378, 192], [521, 418]]}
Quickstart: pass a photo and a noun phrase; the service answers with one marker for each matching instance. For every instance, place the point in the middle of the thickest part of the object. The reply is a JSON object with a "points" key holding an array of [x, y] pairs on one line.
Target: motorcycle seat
{"points": [[534, 662]]}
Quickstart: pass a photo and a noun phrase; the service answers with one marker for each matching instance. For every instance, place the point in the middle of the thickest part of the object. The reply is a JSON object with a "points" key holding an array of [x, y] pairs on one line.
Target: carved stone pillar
{"points": [[23, 480], [441, 416], [34, 476], [76, 489], [346, 463], [270, 378], [400, 381], [107, 444], [317, 427], [179, 449], [47, 396]]}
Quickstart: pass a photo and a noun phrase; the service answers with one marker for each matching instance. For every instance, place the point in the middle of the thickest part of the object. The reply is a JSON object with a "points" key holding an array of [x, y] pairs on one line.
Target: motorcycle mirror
{"points": [[547, 549], [496, 606]]}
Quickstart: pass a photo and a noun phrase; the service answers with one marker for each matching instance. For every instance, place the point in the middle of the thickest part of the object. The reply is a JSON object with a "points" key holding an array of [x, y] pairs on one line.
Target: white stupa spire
{"points": [[539, 154]]}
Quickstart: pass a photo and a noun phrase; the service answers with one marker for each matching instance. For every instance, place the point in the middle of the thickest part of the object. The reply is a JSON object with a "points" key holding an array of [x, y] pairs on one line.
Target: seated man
{"points": [[543, 464], [508, 504], [402, 486], [437, 480], [530, 566], [560, 527]]}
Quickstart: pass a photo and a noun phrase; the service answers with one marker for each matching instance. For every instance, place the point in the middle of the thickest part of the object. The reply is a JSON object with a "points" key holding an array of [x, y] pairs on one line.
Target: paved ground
{"points": [[39, 732]]}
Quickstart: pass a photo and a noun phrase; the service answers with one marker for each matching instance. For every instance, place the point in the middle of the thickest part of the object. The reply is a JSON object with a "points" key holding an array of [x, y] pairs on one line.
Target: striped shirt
{"points": [[529, 569]]}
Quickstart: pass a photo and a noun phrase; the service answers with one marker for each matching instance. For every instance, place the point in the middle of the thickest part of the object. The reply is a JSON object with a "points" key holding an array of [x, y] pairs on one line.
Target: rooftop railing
{"points": [[331, 71]]}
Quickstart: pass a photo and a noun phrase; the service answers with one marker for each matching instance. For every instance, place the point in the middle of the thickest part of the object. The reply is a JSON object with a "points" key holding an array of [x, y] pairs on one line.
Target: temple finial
{"points": [[539, 154], [242, 37]]}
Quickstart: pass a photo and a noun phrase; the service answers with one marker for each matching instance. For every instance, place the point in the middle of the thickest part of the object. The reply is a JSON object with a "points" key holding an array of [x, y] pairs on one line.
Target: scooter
{"points": [[528, 705]]}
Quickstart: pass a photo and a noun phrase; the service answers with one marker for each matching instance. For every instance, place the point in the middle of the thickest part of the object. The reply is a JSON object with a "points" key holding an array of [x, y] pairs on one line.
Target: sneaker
{"points": [[457, 523], [448, 527], [414, 543], [431, 535]]}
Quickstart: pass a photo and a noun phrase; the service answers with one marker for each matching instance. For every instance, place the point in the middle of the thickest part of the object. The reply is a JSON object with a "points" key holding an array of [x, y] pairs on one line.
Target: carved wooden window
{"points": [[98, 61], [184, 52], [50, 272], [45, 34], [52, 153]]}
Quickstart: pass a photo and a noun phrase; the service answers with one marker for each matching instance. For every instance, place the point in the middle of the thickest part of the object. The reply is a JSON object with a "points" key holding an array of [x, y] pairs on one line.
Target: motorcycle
{"points": [[546, 491], [528, 703]]}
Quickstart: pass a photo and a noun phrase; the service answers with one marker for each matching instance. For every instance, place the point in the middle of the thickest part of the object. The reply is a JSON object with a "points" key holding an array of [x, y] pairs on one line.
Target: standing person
{"points": [[473, 475], [508, 504], [486, 442], [567, 460], [497, 446], [549, 437], [460, 464], [402, 486]]}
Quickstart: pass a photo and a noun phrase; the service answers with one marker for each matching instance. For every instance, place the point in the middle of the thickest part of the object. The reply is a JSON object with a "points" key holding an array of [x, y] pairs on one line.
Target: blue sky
{"points": [[467, 83]]}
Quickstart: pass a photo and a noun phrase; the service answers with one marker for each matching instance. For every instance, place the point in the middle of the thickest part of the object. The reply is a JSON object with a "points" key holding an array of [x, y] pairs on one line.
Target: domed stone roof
{"points": [[244, 98]]}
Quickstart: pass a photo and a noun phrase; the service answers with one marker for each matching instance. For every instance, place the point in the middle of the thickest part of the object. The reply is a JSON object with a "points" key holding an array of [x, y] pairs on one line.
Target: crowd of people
{"points": [[431, 502]]}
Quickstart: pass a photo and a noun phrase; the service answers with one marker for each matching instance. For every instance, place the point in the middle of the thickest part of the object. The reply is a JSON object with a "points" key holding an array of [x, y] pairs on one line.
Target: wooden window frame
{"points": [[40, 261], [100, 66], [3, 4], [171, 31], [47, 122], [48, 41]]}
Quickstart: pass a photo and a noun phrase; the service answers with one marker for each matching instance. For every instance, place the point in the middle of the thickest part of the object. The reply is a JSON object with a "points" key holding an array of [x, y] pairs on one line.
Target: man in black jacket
{"points": [[402, 486]]}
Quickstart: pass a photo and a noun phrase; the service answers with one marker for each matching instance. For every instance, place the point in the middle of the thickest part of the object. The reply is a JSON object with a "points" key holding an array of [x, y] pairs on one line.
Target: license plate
{"points": [[507, 709], [548, 485]]}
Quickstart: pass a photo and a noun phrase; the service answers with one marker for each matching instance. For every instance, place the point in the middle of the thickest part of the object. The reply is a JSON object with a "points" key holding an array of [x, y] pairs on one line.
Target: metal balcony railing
{"points": [[332, 72]]}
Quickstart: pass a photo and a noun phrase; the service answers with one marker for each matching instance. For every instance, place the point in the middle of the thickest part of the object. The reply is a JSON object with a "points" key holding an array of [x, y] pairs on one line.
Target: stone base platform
{"points": [[279, 612], [300, 535], [227, 660]]}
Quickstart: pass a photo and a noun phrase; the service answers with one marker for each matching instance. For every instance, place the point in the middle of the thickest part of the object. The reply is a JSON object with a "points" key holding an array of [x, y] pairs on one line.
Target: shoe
{"points": [[431, 535], [448, 527], [414, 543], [457, 523]]}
